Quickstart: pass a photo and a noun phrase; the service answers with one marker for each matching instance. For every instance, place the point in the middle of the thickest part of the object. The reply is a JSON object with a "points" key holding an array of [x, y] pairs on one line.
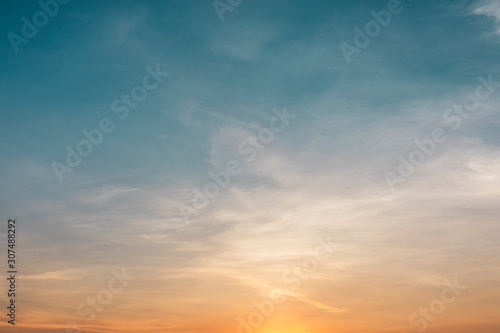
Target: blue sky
{"points": [[324, 174], [254, 60]]}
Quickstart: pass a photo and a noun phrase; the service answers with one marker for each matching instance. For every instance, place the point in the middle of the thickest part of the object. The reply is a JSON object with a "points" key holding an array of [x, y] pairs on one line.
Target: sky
{"points": [[251, 166]]}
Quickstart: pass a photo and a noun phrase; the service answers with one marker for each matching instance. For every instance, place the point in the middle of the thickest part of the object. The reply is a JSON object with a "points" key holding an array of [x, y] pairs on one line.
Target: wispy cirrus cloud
{"points": [[490, 8]]}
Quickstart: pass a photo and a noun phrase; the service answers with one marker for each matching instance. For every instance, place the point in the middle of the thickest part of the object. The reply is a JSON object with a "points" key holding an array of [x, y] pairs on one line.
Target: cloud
{"points": [[490, 8], [56, 275]]}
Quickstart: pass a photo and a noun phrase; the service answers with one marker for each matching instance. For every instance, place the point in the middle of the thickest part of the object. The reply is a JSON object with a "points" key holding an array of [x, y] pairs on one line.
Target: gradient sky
{"points": [[322, 176]]}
